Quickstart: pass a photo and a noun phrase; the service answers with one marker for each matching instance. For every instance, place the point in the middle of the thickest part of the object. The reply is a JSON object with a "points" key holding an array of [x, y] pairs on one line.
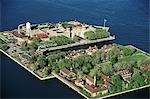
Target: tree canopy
{"points": [[42, 61]]}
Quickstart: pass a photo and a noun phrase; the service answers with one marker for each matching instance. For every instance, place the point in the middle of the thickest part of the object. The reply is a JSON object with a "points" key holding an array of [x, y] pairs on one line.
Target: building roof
{"points": [[136, 70], [91, 49], [106, 77], [78, 81], [107, 47], [90, 78], [41, 35], [74, 53], [146, 67], [17, 35], [65, 70], [124, 73], [93, 89]]}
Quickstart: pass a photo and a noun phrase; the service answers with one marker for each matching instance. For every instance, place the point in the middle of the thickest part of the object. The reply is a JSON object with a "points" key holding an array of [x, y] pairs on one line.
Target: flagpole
{"points": [[105, 23]]}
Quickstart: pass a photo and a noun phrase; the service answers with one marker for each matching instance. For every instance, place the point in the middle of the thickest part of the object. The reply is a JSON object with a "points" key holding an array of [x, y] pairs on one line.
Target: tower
{"points": [[28, 29]]}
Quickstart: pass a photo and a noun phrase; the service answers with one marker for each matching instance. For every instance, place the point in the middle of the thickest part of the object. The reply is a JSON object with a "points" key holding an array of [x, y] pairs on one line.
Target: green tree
{"points": [[99, 82], [24, 46], [94, 71], [107, 69], [80, 74], [96, 57], [127, 51], [117, 84], [42, 61], [122, 65], [114, 54], [33, 46], [103, 57], [33, 58], [137, 80], [85, 69], [114, 60], [36, 41]]}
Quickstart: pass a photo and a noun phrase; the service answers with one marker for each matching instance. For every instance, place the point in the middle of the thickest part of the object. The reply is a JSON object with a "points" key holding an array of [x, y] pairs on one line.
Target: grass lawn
{"points": [[135, 57], [105, 63]]}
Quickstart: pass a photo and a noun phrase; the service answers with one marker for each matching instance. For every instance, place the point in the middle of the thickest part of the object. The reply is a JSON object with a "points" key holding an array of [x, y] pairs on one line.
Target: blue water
{"points": [[127, 19]]}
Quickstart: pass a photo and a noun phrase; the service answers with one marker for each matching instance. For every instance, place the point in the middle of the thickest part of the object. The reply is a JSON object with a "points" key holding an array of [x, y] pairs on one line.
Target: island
{"points": [[95, 72]]}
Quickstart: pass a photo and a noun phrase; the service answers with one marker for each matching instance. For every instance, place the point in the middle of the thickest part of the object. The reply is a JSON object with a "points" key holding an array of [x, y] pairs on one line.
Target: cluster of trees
{"points": [[136, 81], [81, 63], [42, 61], [117, 84], [54, 59], [127, 51], [3, 45], [122, 65], [54, 41], [61, 40], [107, 68], [31, 47], [50, 61], [97, 34], [95, 64]]}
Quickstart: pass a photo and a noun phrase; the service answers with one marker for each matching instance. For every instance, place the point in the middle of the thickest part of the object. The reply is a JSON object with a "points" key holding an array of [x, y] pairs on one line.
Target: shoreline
{"points": [[26, 67], [138, 49], [119, 93], [70, 84]]}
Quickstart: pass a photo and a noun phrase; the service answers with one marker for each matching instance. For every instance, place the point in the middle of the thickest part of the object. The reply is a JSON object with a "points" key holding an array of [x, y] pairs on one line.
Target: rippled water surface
{"points": [[127, 19]]}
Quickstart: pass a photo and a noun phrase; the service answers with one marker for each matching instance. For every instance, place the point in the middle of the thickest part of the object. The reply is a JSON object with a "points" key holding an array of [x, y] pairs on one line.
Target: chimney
{"points": [[94, 80]]}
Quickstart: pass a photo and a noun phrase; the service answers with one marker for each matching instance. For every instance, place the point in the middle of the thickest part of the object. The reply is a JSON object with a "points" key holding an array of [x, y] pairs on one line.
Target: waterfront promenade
{"points": [[75, 88], [70, 84]]}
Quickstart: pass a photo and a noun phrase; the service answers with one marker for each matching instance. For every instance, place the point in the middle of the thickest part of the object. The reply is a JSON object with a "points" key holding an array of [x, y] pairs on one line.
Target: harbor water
{"points": [[127, 19]]}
